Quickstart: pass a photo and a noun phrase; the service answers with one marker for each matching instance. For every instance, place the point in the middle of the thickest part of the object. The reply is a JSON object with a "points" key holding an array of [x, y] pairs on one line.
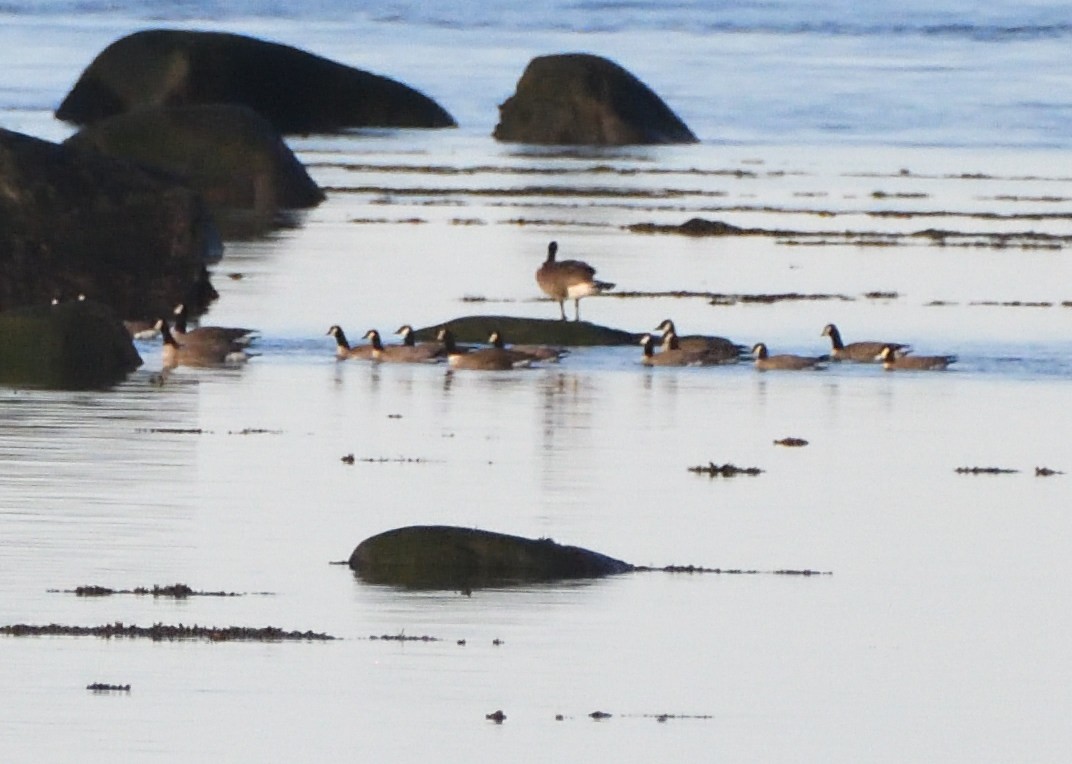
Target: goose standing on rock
{"points": [[785, 361], [343, 350], [565, 280], [399, 353], [485, 359], [179, 353], [893, 362], [720, 349], [223, 336], [859, 352]]}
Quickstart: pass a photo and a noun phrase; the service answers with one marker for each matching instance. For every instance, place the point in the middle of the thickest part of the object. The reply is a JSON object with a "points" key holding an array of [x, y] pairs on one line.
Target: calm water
{"points": [[939, 636]]}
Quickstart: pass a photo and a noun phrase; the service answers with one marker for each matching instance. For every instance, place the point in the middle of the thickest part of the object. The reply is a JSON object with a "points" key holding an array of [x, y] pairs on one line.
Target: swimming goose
{"points": [[858, 352], [568, 280], [671, 356], [765, 361], [398, 353], [342, 347], [533, 352], [178, 353], [233, 337], [486, 359], [893, 362], [719, 349]]}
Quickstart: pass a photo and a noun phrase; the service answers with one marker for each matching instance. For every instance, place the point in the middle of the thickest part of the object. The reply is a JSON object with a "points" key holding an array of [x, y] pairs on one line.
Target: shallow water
{"points": [[939, 633]]}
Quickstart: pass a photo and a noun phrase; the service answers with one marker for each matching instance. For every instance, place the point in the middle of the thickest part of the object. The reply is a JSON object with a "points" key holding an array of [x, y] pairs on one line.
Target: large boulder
{"points": [[229, 154], [447, 557], [77, 222], [581, 99], [296, 91], [72, 345], [536, 331]]}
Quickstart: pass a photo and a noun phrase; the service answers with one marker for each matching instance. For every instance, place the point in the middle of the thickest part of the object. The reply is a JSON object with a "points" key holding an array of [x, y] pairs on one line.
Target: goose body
{"points": [[719, 349], [893, 362], [398, 353], [671, 356], [485, 359], [785, 361], [532, 352], [179, 353], [223, 336], [343, 350], [565, 280], [859, 352]]}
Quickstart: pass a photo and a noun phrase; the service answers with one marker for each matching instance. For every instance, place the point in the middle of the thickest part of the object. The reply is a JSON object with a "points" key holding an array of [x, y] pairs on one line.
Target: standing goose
{"points": [[233, 337], [178, 353], [766, 362], [532, 352], [486, 359], [343, 350], [398, 353], [670, 356], [568, 280], [893, 362], [719, 349], [858, 352]]}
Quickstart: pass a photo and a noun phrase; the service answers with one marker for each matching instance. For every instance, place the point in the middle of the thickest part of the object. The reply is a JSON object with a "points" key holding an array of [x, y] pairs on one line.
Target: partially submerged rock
{"points": [[76, 345], [581, 99], [295, 90], [446, 557], [229, 154], [77, 222], [530, 331]]}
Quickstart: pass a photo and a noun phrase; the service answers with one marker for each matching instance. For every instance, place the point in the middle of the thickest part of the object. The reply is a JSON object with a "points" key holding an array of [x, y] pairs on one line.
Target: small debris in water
{"points": [[599, 715], [235, 276], [1046, 472], [881, 295], [729, 571], [102, 687], [985, 471], [348, 459], [498, 717], [791, 442], [160, 632], [725, 470], [403, 637], [461, 643], [174, 430], [497, 642], [254, 431]]}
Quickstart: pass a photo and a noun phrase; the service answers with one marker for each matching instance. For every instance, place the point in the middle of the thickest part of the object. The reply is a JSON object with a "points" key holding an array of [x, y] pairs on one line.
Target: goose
{"points": [[233, 337], [765, 361], [533, 352], [670, 356], [343, 350], [565, 280], [859, 352], [177, 353], [893, 362], [486, 359], [398, 353], [719, 348]]}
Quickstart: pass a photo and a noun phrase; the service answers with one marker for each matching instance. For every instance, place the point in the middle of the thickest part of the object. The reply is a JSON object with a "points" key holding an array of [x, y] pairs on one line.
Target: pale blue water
{"points": [[940, 636]]}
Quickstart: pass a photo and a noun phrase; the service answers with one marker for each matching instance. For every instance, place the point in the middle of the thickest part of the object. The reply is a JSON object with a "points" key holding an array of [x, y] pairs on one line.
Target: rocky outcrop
{"points": [[534, 331], [446, 557], [229, 154], [296, 91], [77, 222], [581, 99], [73, 345]]}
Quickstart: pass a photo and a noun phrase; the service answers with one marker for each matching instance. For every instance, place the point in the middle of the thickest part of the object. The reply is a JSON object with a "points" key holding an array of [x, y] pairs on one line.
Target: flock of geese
{"points": [[561, 280]]}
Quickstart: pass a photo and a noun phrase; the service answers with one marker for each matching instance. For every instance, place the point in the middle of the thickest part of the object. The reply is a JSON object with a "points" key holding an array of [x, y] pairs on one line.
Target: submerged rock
{"points": [[581, 99], [77, 222], [530, 331], [230, 154], [75, 345], [446, 557], [295, 90]]}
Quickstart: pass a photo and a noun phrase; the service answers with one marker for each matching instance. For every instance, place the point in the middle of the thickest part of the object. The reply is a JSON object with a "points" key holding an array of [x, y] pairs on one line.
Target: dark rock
{"points": [[581, 99], [530, 331], [445, 557], [229, 154], [75, 345], [295, 90], [77, 222]]}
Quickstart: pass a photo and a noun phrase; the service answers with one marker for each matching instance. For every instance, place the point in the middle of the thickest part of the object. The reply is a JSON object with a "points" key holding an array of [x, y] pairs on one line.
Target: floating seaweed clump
{"points": [[160, 632], [103, 687], [724, 470], [1046, 472], [178, 591], [791, 442], [985, 471]]}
